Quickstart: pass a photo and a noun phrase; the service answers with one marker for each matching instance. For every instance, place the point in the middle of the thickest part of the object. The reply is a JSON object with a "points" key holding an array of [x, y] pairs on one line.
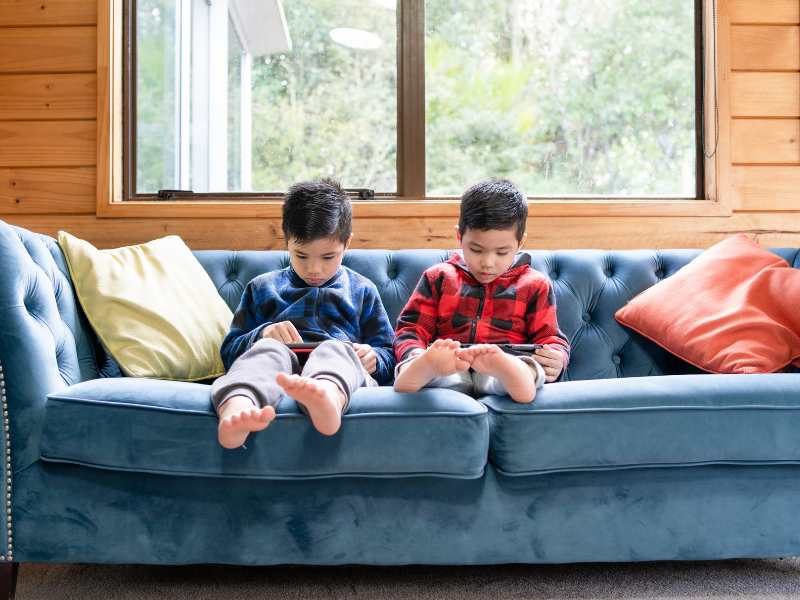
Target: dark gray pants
{"points": [[253, 374]]}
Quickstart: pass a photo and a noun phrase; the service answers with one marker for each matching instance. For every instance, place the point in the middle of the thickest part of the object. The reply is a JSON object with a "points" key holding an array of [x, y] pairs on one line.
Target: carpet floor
{"points": [[737, 579]]}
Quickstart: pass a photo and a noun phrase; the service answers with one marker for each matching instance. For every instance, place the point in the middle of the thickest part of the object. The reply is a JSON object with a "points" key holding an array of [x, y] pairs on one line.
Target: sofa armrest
{"points": [[38, 323]]}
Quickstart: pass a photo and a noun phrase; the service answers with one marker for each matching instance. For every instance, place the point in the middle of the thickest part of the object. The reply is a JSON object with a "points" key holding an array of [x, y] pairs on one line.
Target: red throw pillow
{"points": [[733, 309]]}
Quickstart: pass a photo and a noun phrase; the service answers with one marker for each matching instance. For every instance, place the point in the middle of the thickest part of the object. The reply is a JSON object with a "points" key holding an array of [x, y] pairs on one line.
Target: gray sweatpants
{"points": [[253, 374], [472, 382]]}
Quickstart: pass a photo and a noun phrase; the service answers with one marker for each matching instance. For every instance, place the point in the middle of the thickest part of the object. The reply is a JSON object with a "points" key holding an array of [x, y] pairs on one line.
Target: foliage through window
{"points": [[564, 97]]}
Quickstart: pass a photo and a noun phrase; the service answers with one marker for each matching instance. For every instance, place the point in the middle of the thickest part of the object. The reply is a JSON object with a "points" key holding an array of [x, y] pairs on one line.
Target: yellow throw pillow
{"points": [[153, 306]]}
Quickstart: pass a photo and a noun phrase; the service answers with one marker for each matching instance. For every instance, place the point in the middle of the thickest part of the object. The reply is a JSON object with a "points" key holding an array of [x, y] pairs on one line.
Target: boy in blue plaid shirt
{"points": [[315, 299]]}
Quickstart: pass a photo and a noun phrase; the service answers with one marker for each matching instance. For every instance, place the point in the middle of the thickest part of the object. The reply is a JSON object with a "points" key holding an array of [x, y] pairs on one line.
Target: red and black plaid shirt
{"points": [[519, 307]]}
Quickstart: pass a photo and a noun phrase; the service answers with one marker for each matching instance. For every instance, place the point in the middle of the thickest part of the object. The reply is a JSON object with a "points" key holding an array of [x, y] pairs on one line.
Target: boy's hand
{"points": [[367, 356], [552, 360], [283, 332]]}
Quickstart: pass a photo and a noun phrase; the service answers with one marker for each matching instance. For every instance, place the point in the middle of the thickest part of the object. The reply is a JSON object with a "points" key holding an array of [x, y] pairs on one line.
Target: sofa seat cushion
{"points": [[169, 427], [641, 422]]}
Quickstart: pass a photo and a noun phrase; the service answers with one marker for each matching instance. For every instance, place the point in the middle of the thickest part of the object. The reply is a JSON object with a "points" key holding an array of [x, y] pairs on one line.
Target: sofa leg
{"points": [[8, 580]]}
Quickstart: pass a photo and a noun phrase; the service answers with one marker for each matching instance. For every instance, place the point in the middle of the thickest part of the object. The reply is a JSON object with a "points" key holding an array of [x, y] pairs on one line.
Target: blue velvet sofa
{"points": [[631, 457]]}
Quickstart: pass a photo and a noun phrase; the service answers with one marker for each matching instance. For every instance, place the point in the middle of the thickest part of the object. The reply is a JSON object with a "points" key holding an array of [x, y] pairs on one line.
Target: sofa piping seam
{"points": [[634, 466], [635, 409], [289, 477], [87, 401], [9, 554]]}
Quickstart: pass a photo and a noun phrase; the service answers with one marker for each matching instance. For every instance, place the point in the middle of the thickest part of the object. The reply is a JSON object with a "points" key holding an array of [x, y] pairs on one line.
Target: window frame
{"points": [[116, 130]]}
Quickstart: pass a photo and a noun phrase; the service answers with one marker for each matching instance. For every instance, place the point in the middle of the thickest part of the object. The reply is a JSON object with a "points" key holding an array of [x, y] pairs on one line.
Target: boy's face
{"points": [[318, 260], [489, 253]]}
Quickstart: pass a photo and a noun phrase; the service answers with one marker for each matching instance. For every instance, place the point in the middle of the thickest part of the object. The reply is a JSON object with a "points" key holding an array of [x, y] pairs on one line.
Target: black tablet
{"points": [[511, 347], [515, 349], [303, 347]]}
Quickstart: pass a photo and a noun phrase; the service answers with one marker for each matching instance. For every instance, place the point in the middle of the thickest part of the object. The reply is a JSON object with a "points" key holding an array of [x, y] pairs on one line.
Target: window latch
{"points": [[174, 194], [363, 193]]}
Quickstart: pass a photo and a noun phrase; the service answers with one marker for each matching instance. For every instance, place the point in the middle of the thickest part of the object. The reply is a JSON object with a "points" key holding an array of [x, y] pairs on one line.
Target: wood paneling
{"points": [[48, 199], [765, 141], [764, 11], [15, 13], [765, 94], [765, 48], [47, 190], [47, 143], [767, 188], [50, 96], [569, 232], [47, 49]]}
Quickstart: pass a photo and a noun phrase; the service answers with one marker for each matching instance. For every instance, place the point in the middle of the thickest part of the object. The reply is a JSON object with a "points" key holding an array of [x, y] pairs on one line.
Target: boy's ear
{"points": [[522, 241], [350, 239], [458, 233]]}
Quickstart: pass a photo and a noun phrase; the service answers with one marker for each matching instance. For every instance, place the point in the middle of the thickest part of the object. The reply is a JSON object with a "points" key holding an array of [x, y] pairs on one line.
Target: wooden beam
{"points": [[47, 49], [762, 141], [47, 191], [764, 11], [772, 229], [767, 48], [18, 13], [50, 96], [47, 143], [767, 188], [765, 94]]}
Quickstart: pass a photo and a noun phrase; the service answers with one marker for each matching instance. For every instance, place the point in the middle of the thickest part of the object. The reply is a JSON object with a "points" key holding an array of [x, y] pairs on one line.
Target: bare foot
{"points": [[323, 400], [438, 360], [516, 377], [238, 417]]}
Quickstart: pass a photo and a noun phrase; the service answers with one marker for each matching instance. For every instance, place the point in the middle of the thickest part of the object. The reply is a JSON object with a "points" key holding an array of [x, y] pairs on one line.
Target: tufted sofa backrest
{"points": [[590, 286]]}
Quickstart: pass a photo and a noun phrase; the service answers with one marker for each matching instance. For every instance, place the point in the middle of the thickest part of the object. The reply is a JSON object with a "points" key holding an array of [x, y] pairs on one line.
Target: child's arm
{"points": [[416, 324], [542, 321], [245, 331], [376, 331]]}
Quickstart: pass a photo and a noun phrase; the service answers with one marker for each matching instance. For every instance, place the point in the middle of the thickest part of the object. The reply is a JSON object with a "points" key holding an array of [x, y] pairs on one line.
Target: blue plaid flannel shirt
{"points": [[346, 308]]}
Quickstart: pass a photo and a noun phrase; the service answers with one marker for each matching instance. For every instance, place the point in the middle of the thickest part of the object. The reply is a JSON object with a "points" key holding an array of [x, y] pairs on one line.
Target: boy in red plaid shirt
{"points": [[448, 333]]}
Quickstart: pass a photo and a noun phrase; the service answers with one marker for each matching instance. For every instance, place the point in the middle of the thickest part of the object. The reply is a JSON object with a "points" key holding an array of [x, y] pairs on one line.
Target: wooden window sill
{"points": [[414, 208]]}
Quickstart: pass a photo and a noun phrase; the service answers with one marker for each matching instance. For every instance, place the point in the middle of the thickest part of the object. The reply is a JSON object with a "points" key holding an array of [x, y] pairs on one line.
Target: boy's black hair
{"points": [[317, 209], [493, 204]]}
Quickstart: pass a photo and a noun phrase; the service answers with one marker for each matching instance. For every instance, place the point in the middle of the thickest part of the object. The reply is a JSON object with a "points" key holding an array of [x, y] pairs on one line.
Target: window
{"points": [[566, 98], [237, 99]]}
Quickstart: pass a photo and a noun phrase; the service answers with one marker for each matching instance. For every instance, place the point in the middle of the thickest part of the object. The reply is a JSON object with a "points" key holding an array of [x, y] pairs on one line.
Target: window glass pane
{"points": [[253, 95], [565, 97], [235, 59], [156, 165], [329, 106]]}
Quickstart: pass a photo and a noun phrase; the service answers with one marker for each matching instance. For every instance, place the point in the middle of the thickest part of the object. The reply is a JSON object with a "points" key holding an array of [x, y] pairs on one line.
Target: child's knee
{"points": [[336, 347], [269, 344]]}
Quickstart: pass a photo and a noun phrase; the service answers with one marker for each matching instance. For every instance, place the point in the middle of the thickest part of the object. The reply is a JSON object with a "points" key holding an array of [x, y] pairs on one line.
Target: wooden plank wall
{"points": [[47, 108], [48, 129], [765, 105]]}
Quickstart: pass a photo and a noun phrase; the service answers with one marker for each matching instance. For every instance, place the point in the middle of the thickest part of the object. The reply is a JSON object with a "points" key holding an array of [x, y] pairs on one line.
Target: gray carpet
{"points": [[739, 579]]}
